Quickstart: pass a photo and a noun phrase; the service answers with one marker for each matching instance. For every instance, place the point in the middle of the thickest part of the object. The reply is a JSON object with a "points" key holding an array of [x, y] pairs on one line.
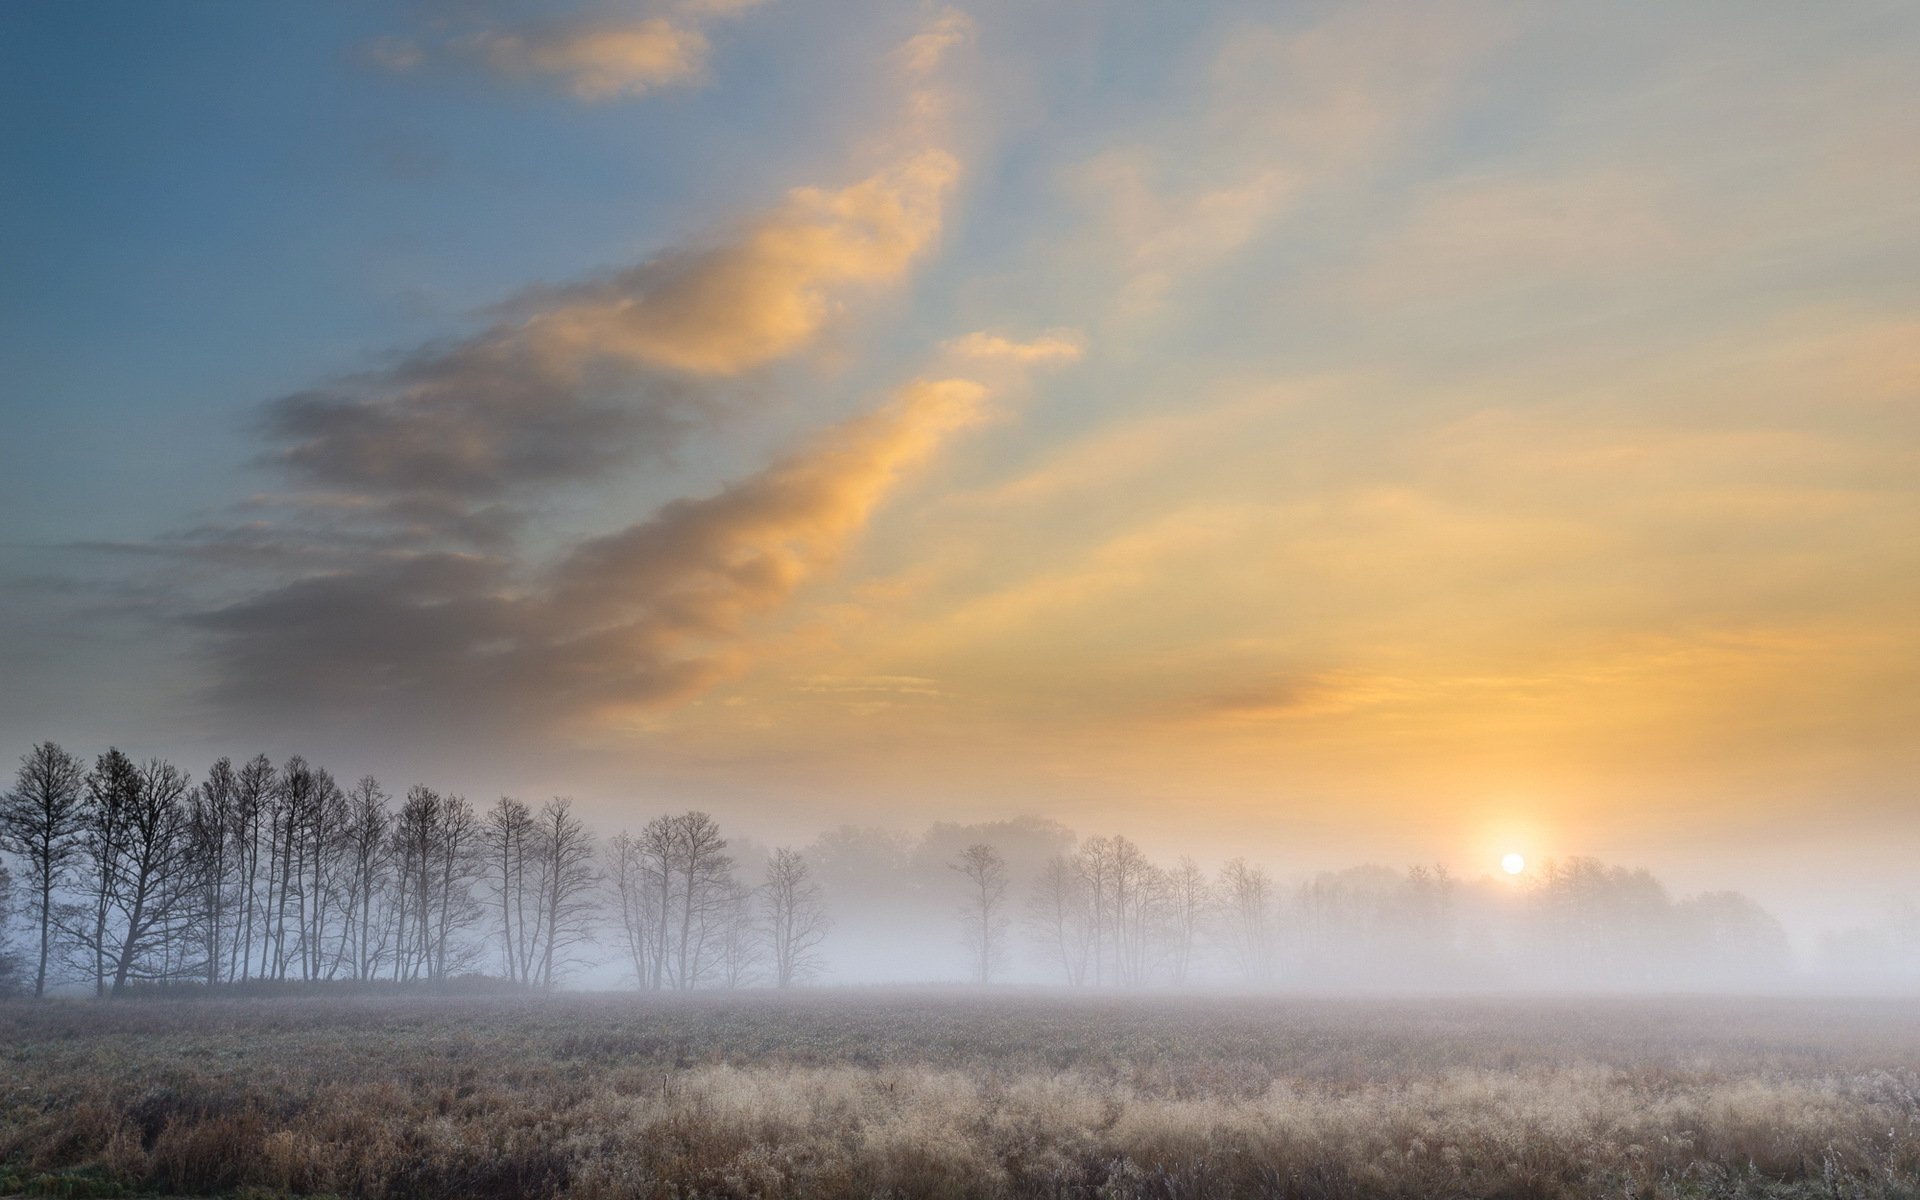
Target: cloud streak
{"points": [[1058, 346], [1288, 112], [594, 61], [599, 62], [395, 589], [621, 625], [573, 379]]}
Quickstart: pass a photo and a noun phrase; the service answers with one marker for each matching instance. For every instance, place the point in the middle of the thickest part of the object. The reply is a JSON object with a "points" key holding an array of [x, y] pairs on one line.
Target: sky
{"points": [[1350, 431]]}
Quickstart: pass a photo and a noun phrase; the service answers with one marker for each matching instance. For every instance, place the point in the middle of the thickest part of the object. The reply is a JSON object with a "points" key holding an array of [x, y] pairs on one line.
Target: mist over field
{"points": [[134, 876], [899, 598]]}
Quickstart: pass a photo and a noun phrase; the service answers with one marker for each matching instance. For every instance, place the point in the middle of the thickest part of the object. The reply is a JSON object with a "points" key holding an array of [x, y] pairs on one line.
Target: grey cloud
{"points": [[361, 639], [479, 420], [624, 623]]}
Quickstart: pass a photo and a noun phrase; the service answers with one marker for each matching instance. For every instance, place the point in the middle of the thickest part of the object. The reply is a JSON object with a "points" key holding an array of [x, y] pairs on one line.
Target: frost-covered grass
{"points": [[929, 1094]]}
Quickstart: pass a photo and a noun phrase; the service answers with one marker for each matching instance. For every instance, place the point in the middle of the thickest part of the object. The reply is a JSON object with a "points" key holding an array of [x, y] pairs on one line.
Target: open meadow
{"points": [[925, 1093]]}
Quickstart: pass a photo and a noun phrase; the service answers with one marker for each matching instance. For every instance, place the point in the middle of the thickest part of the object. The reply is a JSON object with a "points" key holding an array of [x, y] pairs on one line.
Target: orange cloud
{"points": [[1059, 346], [924, 52], [764, 293], [600, 62], [593, 60]]}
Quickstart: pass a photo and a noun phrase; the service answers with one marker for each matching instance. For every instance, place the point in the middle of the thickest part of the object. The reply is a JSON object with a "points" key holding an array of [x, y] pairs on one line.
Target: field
{"points": [[941, 1094]]}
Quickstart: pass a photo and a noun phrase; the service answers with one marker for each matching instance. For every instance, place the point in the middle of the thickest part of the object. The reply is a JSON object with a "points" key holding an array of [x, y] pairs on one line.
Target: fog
{"points": [[1573, 923], [119, 875]]}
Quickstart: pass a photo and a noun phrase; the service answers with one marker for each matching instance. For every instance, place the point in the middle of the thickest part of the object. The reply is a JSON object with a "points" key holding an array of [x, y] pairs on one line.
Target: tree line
{"points": [[130, 874], [1103, 913]]}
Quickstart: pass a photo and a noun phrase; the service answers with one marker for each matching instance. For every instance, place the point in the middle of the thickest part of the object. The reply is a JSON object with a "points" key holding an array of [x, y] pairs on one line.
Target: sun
{"points": [[1513, 862]]}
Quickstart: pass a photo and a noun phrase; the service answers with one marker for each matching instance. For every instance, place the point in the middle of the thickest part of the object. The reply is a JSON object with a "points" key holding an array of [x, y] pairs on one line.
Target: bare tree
{"points": [[505, 831], [43, 820], [679, 903], [436, 847], [139, 885], [369, 853], [1094, 865], [1246, 899], [1188, 898], [293, 792], [983, 913], [1060, 919], [736, 948], [9, 961], [796, 918], [212, 821], [636, 897], [1134, 890], [569, 883], [113, 787], [322, 895], [1123, 894], [454, 866], [253, 791], [701, 891], [660, 856]]}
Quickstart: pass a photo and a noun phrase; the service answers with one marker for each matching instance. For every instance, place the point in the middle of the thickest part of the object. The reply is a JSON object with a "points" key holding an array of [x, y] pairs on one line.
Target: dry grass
{"points": [[904, 1094]]}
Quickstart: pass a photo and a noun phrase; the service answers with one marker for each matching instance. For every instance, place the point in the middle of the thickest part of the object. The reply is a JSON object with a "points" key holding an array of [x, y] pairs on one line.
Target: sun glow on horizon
{"points": [[1513, 862]]}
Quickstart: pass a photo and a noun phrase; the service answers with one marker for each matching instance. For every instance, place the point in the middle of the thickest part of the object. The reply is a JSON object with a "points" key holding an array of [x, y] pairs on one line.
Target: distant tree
{"points": [[113, 788], [701, 893], [567, 894], [1125, 894], [1376, 923], [636, 896], [323, 895], [876, 881], [454, 865], [660, 846], [1093, 863], [10, 973], [1731, 940], [738, 950], [212, 818], [1600, 924], [505, 831], [415, 833], [43, 820], [1187, 899], [1134, 910], [1246, 910], [983, 913], [796, 920], [369, 854], [437, 852], [685, 920], [139, 885], [1060, 920], [253, 791], [294, 792]]}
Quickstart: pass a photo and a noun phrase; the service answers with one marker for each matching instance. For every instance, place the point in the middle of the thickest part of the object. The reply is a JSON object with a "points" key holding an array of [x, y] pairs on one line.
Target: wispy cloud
{"points": [[622, 624], [574, 379], [924, 51], [1057, 346], [592, 60], [396, 584], [599, 62], [1287, 112]]}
